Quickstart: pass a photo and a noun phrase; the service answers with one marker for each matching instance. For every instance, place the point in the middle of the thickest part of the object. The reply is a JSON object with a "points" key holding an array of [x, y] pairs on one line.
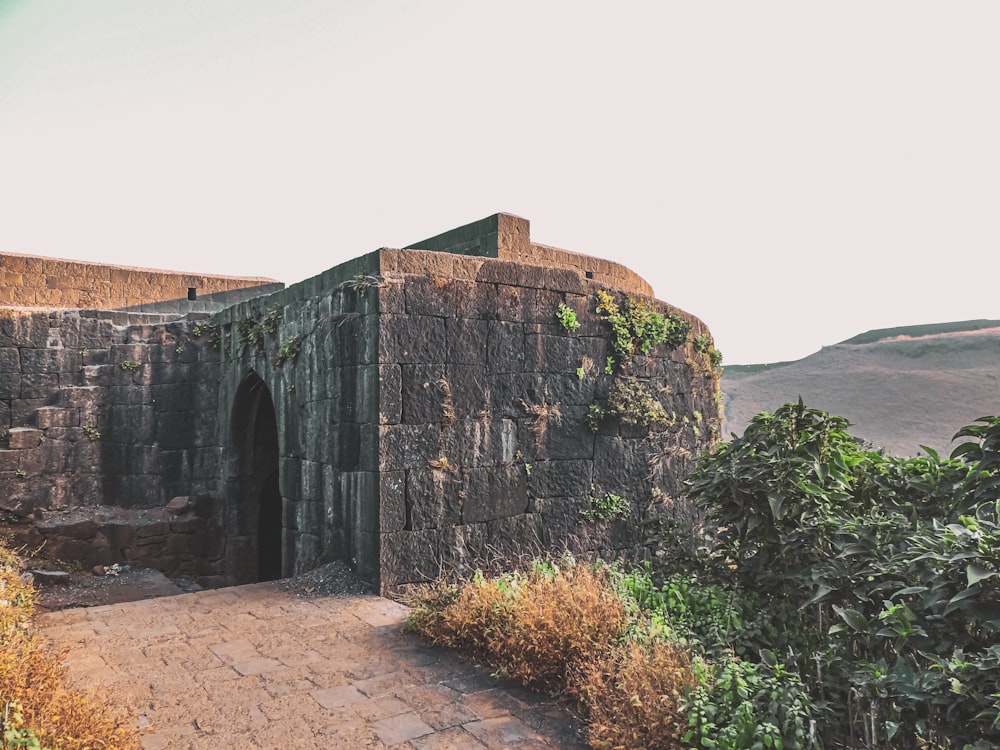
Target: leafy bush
{"points": [[893, 563]]}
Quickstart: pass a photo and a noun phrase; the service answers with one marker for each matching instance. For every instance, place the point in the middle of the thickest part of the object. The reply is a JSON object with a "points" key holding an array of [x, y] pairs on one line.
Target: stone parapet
{"points": [[32, 281]]}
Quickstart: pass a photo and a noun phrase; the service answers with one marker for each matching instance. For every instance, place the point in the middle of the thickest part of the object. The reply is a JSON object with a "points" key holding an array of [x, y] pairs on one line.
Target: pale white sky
{"points": [[793, 172]]}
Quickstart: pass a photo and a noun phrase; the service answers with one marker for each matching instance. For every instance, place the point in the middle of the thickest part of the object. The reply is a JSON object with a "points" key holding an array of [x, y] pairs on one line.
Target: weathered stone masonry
{"points": [[409, 411]]}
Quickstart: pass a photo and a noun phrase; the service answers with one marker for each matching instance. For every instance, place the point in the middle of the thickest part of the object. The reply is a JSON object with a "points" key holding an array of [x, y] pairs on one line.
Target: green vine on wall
{"points": [[254, 331], [637, 327]]}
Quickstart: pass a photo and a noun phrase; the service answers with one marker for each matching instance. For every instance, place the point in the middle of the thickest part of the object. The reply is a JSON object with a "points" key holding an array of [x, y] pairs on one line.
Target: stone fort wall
{"points": [[433, 416], [417, 410]]}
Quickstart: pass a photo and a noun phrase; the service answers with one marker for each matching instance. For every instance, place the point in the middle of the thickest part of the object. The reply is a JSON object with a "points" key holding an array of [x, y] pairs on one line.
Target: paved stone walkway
{"points": [[257, 667]]}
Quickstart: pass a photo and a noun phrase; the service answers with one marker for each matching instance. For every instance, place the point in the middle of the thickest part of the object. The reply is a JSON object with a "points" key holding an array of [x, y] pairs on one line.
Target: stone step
{"points": [[56, 416], [24, 438]]}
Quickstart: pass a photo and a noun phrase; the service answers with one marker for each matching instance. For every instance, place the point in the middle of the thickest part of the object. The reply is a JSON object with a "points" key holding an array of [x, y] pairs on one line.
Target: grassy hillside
{"points": [[900, 387]]}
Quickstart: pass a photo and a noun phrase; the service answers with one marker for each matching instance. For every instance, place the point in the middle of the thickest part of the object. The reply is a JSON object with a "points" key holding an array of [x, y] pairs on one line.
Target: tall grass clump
{"points": [[39, 711], [532, 626]]}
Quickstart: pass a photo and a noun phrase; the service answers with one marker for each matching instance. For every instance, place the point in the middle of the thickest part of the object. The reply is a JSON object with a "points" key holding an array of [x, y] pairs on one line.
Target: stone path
{"points": [[257, 667]]}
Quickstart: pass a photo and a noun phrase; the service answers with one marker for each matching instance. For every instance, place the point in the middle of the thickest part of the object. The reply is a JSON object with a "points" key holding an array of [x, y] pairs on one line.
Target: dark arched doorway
{"points": [[255, 531]]}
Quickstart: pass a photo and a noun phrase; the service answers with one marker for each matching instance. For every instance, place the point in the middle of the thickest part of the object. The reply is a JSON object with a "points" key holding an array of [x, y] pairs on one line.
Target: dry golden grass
{"points": [[34, 697], [531, 627], [633, 695], [560, 628]]}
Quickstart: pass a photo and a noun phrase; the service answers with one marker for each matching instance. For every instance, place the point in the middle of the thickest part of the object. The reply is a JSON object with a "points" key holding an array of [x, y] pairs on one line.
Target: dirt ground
{"points": [[84, 589], [78, 588]]}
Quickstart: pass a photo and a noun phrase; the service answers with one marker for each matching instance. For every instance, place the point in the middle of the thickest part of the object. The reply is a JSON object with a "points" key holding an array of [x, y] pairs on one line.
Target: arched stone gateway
{"points": [[408, 411], [254, 517]]}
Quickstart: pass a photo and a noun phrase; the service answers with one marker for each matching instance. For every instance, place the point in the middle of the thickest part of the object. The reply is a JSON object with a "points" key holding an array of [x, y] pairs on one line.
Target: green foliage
{"points": [[20, 473], [633, 403], [636, 326], [566, 316], [741, 704], [130, 365], [288, 351], [608, 507], [92, 433], [207, 329], [894, 565], [254, 331], [594, 416]]}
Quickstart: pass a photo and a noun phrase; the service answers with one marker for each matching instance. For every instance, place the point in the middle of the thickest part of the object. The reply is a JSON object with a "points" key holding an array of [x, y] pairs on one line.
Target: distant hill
{"points": [[899, 387]]}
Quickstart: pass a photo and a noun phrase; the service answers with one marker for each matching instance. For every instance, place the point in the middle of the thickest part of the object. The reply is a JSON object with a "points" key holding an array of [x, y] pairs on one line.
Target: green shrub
{"points": [[893, 563]]}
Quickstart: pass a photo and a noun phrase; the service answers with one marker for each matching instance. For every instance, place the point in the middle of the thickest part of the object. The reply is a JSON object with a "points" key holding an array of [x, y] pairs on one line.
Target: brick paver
{"points": [[257, 667]]}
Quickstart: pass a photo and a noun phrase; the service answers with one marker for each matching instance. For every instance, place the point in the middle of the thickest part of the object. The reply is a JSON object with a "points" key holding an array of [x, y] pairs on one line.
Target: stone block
{"points": [[621, 467], [10, 360], [505, 347], [390, 394], [359, 495], [430, 295], [426, 394], [391, 298], [392, 501], [39, 385], [561, 353], [475, 301], [410, 557], [569, 438], [475, 443], [527, 276], [412, 340], [495, 492], [469, 390], [23, 438], [53, 416], [467, 341], [10, 385], [561, 478], [404, 446], [434, 498]]}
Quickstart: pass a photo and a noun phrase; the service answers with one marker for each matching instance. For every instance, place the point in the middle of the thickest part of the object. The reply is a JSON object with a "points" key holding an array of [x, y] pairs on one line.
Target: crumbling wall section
{"points": [[114, 409]]}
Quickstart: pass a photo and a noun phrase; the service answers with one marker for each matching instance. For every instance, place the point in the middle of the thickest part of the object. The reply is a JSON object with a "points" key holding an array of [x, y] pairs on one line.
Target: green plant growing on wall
{"points": [[633, 403], [130, 365], [594, 416], [361, 283], [208, 329], [92, 433], [636, 326], [607, 507], [253, 331], [20, 474], [288, 351], [703, 345], [566, 316]]}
